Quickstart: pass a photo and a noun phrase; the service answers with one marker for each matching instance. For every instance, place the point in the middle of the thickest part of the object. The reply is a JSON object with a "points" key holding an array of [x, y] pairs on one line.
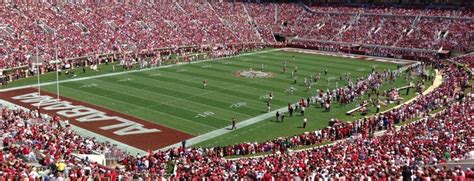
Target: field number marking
{"points": [[239, 104], [88, 86], [125, 80], [264, 97], [154, 75], [204, 114]]}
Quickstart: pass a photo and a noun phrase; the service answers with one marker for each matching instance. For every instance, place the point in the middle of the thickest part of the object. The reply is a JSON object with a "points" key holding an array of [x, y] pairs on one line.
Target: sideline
{"points": [[221, 131], [133, 71]]}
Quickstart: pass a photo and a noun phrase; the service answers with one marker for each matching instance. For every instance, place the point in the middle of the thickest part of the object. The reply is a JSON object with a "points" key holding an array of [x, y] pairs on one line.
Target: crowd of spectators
{"points": [[458, 36], [425, 32], [237, 20], [401, 53], [36, 145], [423, 28], [467, 60], [366, 26], [265, 18], [388, 32], [204, 16], [287, 15], [393, 9], [77, 30]]}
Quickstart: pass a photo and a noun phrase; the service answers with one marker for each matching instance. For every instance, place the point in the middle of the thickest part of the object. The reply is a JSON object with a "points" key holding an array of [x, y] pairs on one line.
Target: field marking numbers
{"points": [[125, 80], [89, 86], [289, 90], [264, 97], [238, 104], [204, 114], [155, 75]]}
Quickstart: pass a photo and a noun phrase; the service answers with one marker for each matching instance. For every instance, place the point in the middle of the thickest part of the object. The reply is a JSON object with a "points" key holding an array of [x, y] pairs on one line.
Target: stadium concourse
{"points": [[39, 147]]}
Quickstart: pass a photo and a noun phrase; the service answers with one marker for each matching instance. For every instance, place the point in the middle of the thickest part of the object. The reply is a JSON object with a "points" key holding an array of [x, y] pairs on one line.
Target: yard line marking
{"points": [[132, 71], [207, 91], [158, 103], [177, 99]]}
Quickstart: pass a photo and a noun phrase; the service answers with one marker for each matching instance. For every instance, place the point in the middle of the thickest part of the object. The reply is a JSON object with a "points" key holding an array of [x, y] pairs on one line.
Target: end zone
{"points": [[109, 124]]}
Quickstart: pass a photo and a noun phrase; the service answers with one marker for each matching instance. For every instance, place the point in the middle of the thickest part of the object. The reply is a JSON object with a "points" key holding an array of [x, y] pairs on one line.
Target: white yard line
{"points": [[133, 71]]}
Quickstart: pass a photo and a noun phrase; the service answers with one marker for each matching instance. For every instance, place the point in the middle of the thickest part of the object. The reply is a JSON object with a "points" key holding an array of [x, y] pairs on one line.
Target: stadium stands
{"points": [[36, 146], [78, 29]]}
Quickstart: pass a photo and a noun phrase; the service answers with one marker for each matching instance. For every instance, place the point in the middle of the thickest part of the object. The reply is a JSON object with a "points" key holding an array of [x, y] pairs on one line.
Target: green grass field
{"points": [[175, 97]]}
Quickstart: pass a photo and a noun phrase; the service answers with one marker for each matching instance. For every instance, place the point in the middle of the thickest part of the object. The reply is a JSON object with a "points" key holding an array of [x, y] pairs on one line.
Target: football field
{"points": [[237, 87]]}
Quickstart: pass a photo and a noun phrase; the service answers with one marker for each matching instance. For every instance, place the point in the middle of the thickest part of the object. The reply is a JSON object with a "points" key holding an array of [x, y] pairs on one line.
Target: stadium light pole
{"points": [[57, 66], [57, 74], [38, 71]]}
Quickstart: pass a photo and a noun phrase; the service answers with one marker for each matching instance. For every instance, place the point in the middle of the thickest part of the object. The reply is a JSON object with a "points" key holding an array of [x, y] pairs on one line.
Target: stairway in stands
{"points": [[253, 24], [223, 21], [408, 31]]}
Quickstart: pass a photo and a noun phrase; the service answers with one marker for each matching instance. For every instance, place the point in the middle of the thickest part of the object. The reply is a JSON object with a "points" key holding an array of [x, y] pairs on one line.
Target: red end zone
{"points": [[120, 127]]}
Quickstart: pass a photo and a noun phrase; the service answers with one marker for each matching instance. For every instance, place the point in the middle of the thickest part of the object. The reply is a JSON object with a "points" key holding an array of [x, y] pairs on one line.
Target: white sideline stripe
{"points": [[436, 83], [87, 133], [133, 71], [226, 129]]}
